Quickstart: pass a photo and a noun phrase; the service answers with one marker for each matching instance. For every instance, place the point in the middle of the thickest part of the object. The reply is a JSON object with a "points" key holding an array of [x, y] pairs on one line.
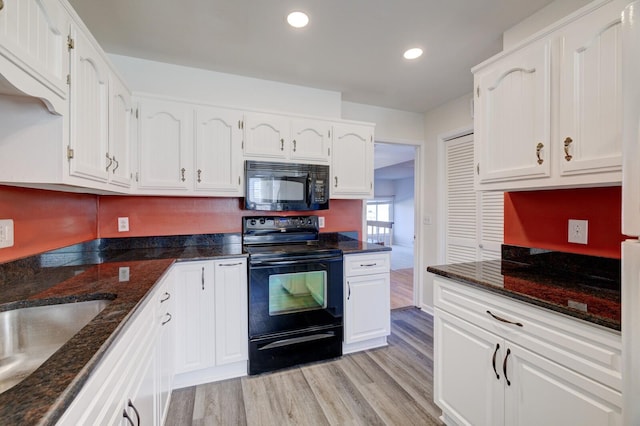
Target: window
{"points": [[380, 221]]}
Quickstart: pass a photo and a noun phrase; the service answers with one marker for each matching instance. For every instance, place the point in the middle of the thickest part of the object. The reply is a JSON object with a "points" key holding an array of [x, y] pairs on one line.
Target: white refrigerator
{"points": [[631, 214]]}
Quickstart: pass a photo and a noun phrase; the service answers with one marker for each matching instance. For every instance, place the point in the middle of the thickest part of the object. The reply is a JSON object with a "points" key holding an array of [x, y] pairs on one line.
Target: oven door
{"points": [[294, 294]]}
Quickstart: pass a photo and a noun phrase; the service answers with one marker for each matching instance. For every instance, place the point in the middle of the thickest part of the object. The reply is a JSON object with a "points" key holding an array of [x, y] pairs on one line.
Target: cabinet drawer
{"points": [[366, 264], [588, 349]]}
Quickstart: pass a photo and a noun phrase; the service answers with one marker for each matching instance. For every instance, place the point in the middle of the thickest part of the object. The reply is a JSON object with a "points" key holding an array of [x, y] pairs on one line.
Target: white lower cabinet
{"points": [[127, 381], [548, 370], [211, 334], [367, 320]]}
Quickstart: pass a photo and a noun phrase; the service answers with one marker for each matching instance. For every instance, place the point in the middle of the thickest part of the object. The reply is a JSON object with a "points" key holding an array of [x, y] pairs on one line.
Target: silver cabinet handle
{"points": [[538, 149], [294, 145], [281, 144], [493, 360], [117, 165], [367, 265], [519, 324], [336, 179], [199, 175], [110, 161], [349, 290], [167, 297], [229, 264], [168, 319], [126, 416], [203, 277], [567, 144], [182, 170]]}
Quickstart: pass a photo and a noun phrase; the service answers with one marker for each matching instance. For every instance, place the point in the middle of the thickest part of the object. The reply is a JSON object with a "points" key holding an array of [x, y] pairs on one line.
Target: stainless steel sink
{"points": [[29, 336]]}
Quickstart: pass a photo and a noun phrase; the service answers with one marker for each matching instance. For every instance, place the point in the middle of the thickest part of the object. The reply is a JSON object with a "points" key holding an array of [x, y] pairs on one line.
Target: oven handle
{"points": [[260, 263], [295, 340]]}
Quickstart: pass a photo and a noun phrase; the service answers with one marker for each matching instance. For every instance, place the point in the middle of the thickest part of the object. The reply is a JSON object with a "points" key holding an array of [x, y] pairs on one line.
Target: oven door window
{"points": [[277, 190], [297, 292]]}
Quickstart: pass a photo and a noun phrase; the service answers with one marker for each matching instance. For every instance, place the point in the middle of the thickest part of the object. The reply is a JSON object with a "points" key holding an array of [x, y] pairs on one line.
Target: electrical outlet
{"points": [[6, 233], [123, 274], [578, 231], [321, 221], [123, 224]]}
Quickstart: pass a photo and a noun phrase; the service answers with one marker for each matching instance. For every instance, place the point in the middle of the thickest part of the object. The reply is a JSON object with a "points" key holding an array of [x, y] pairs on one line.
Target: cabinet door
{"points": [[194, 317], [89, 111], [33, 37], [352, 161], [512, 116], [591, 93], [139, 401], [367, 307], [232, 332], [266, 136], [164, 143], [218, 151], [311, 140], [542, 392], [467, 377], [120, 110]]}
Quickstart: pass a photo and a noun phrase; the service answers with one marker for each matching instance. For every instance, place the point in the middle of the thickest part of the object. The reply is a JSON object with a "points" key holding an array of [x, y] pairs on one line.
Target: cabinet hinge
{"points": [[137, 177], [137, 111], [371, 138], [478, 168], [240, 124], [70, 42], [478, 91], [68, 79], [328, 152], [69, 152], [370, 185], [242, 145], [329, 134]]}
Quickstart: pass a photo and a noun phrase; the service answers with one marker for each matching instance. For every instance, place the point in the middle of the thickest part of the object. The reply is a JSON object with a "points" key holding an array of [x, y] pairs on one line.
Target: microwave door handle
{"points": [[308, 190]]}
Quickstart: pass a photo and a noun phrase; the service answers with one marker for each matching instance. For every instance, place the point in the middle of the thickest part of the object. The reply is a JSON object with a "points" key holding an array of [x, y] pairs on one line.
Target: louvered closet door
{"points": [[474, 220]]}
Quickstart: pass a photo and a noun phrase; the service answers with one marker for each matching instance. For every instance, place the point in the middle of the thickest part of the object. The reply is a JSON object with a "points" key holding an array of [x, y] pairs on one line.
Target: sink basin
{"points": [[28, 336]]}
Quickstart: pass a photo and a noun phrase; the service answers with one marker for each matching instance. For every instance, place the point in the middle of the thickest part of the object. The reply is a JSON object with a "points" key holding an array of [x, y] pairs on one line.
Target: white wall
{"points": [[403, 212], [226, 90], [392, 125], [449, 118], [539, 20], [383, 188]]}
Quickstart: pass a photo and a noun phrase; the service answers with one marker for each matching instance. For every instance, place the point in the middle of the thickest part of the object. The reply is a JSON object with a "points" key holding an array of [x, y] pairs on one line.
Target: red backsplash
{"points": [[178, 216], [46, 220], [540, 219]]}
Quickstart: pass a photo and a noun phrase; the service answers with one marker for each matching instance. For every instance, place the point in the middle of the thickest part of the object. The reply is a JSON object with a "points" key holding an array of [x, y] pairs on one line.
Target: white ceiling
{"points": [[392, 161], [351, 46]]}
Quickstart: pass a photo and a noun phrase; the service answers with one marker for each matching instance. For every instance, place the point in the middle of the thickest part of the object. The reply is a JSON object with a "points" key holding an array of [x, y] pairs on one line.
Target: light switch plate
{"points": [[578, 231], [6, 233]]}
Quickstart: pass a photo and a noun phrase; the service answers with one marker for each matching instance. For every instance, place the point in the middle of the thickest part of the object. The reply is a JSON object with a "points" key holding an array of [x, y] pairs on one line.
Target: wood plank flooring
{"points": [[401, 288], [385, 386]]}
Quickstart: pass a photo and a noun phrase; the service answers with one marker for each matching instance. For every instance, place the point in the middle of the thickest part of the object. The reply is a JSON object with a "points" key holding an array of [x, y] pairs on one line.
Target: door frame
{"points": [[419, 268]]}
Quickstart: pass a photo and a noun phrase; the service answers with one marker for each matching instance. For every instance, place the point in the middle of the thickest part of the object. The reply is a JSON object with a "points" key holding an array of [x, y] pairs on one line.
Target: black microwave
{"points": [[285, 186]]}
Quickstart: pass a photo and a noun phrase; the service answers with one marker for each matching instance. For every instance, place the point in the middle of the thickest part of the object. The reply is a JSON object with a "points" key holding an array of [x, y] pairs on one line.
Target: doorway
{"points": [[391, 215]]}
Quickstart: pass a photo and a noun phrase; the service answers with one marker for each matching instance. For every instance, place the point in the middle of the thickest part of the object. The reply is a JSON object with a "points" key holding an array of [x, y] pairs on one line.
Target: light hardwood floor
{"points": [[401, 288], [385, 386]]}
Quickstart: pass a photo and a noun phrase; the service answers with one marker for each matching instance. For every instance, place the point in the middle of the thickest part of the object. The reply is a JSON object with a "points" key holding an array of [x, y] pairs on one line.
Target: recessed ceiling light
{"points": [[413, 53], [298, 19]]}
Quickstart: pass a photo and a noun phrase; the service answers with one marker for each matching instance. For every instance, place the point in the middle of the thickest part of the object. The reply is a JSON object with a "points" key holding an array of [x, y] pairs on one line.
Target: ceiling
{"points": [[393, 161], [351, 46]]}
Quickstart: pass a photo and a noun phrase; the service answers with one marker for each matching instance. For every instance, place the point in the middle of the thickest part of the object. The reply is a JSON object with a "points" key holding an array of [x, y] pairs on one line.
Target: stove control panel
{"points": [[281, 223]]}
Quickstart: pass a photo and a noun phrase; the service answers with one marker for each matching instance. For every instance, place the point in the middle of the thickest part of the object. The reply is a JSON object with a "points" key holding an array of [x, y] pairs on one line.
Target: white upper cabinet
{"points": [[591, 93], [549, 114], [89, 117], [352, 161], [310, 141], [33, 53], [273, 137], [512, 116], [218, 151], [165, 140], [120, 117], [265, 136]]}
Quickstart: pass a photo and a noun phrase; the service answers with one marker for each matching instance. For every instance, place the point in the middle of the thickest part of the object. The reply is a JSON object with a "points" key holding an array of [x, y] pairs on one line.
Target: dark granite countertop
{"points": [[90, 271], [583, 287]]}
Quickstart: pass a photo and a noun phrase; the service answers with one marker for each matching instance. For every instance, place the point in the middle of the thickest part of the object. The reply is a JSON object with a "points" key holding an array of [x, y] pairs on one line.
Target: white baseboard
{"points": [[349, 348], [208, 375], [426, 308]]}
